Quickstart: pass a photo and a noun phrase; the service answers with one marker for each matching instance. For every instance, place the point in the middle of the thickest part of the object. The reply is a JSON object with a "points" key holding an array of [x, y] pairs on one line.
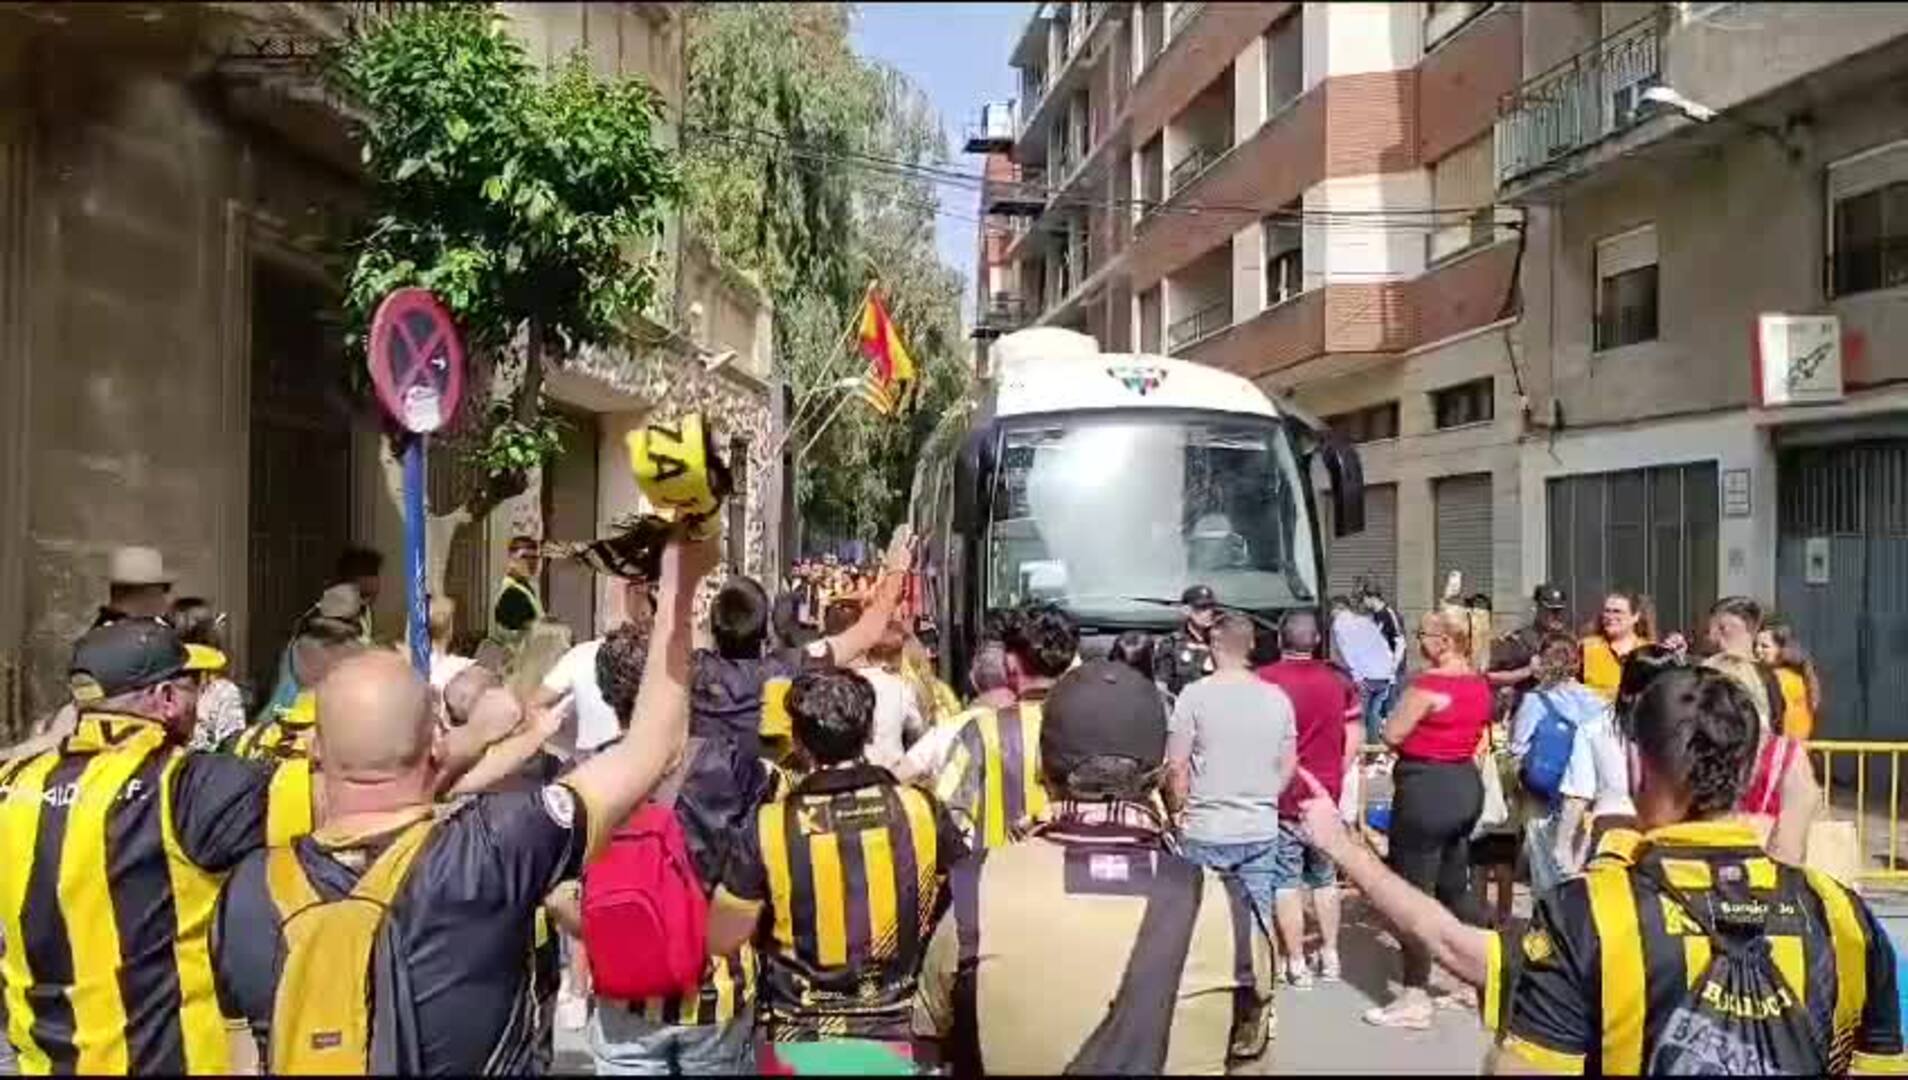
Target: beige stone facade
{"points": [[171, 364]]}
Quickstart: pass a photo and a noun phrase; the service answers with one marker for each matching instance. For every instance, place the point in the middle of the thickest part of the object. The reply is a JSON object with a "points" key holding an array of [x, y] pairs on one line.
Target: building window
{"points": [[1871, 239], [1151, 163], [1284, 256], [1151, 24], [1442, 18], [1284, 62], [1150, 327], [1466, 403], [1369, 424], [1464, 190], [1626, 289], [1653, 530]]}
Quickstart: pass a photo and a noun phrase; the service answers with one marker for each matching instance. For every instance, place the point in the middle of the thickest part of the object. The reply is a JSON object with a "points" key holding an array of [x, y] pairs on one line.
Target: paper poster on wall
{"points": [[1735, 493], [1815, 561]]}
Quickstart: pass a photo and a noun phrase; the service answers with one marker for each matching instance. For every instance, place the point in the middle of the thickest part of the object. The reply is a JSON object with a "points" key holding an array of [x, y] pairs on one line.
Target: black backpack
{"points": [[1739, 1017]]}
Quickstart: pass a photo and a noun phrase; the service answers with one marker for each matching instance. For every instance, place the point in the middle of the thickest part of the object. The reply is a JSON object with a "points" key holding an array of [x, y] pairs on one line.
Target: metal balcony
{"points": [[1201, 324], [1196, 161], [1581, 102], [1023, 194], [992, 132], [1004, 313]]}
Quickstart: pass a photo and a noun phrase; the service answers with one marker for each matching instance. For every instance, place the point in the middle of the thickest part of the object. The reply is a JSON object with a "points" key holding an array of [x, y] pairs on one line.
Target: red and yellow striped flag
{"points": [[889, 383]]}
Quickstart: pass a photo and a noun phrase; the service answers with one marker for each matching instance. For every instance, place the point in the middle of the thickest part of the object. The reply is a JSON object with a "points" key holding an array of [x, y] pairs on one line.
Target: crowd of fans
{"points": [[796, 849]]}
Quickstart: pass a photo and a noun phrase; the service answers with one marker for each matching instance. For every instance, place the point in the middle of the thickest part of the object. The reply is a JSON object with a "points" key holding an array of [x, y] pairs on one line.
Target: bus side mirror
{"points": [[1347, 475], [973, 480]]}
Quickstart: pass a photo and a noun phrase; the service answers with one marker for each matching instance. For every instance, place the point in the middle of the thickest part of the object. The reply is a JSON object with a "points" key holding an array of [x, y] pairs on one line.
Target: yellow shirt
{"points": [[1602, 667], [1798, 720]]}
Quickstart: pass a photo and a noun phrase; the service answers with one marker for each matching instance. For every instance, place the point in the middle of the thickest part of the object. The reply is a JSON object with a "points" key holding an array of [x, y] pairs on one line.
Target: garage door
{"points": [[1371, 555], [1462, 514]]}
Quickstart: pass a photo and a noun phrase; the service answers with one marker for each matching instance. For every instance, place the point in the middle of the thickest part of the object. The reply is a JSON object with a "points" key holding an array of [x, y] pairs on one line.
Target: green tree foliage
{"points": [[528, 201], [800, 158]]}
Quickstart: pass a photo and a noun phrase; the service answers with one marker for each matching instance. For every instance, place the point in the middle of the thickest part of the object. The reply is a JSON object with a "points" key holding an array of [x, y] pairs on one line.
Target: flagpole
{"points": [[825, 424], [854, 323]]}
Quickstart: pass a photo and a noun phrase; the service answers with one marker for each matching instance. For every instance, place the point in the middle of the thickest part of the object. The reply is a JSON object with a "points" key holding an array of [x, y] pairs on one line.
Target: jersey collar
{"points": [[1727, 832], [829, 780], [97, 731]]}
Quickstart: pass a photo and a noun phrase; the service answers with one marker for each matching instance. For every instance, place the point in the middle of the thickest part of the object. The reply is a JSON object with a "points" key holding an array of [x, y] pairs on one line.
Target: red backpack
{"points": [[645, 915]]}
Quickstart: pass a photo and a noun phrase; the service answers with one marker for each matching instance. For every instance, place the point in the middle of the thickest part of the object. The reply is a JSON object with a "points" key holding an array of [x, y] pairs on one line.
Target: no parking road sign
{"points": [[417, 360]]}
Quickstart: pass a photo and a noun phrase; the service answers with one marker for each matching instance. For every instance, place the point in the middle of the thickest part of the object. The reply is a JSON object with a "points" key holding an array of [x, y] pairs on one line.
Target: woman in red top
{"points": [[1437, 793]]}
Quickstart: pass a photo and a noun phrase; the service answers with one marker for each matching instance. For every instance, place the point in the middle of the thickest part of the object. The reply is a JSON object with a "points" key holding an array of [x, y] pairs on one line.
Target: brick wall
{"points": [[1369, 316], [1462, 294], [1371, 122], [1460, 83], [1275, 338]]}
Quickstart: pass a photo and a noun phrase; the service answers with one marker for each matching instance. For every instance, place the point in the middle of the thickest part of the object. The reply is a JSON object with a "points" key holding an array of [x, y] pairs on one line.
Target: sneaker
{"points": [[1298, 975], [1328, 969], [1400, 1014]]}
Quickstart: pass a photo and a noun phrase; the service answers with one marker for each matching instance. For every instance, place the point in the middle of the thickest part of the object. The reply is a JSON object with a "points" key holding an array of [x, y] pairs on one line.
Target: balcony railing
{"points": [[1196, 161], [1201, 324], [1184, 14], [1586, 99], [1003, 314]]}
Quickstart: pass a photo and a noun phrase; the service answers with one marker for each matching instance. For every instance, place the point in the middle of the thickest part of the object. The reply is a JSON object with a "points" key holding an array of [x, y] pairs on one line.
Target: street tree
{"points": [[529, 201], [805, 164]]}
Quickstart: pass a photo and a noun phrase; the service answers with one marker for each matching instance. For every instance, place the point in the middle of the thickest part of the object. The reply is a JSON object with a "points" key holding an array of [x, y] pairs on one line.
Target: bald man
{"points": [[462, 919]]}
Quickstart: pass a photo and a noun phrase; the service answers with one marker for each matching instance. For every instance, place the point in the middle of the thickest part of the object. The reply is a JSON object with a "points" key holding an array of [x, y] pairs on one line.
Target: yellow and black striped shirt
{"points": [[284, 735], [991, 782], [117, 842], [727, 990], [1609, 957], [848, 866]]}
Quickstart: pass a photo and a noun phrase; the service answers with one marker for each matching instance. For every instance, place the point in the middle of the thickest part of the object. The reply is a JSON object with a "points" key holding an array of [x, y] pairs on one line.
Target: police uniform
{"points": [[1181, 660]]}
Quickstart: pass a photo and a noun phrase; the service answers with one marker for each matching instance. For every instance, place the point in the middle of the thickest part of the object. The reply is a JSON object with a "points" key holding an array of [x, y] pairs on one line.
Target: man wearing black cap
{"points": [[1184, 656], [1135, 960], [119, 837], [1514, 656]]}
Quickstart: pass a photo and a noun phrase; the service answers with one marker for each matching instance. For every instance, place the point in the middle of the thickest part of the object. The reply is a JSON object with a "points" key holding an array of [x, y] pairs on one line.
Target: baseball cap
{"points": [[1198, 596], [1549, 596], [132, 654], [1099, 709]]}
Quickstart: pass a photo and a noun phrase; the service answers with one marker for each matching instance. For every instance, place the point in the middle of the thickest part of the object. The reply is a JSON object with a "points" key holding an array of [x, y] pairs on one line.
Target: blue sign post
{"points": [[417, 367]]}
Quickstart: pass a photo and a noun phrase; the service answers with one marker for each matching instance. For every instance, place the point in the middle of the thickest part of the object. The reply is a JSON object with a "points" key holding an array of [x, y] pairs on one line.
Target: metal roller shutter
{"points": [[1462, 516], [1371, 555]]}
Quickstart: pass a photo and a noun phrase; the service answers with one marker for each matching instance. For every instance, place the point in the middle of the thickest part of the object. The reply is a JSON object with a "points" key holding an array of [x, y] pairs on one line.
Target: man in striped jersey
{"points": [[117, 841], [839, 882], [991, 782]]}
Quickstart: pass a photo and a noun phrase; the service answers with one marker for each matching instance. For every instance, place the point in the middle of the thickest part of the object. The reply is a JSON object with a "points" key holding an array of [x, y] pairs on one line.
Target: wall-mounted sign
{"points": [[1798, 359], [1735, 493], [1815, 561]]}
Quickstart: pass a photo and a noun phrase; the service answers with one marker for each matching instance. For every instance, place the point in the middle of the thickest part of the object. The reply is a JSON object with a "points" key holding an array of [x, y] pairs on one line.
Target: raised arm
{"points": [[612, 782], [1461, 948], [866, 633]]}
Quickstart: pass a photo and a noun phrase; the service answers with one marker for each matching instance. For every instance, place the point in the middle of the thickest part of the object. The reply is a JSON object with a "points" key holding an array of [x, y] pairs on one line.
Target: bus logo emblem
{"points": [[1140, 380]]}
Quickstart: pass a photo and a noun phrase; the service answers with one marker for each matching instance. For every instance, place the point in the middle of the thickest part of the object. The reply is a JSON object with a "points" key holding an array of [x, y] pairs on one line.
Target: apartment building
{"points": [[1301, 193], [1715, 326], [173, 180]]}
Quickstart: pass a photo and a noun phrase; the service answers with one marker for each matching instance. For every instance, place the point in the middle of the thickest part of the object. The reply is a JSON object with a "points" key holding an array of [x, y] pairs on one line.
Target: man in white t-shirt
{"points": [[595, 723]]}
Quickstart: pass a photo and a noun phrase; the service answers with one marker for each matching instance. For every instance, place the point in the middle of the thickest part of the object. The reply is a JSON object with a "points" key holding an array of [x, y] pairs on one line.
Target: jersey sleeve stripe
{"points": [[1620, 943]]}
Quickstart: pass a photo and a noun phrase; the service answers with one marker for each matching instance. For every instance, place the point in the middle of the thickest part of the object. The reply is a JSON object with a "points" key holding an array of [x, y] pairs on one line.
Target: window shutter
{"points": [[1626, 251]]}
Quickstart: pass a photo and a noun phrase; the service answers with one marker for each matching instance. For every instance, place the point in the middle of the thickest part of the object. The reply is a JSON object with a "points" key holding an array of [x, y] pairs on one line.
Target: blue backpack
{"points": [[1549, 752]]}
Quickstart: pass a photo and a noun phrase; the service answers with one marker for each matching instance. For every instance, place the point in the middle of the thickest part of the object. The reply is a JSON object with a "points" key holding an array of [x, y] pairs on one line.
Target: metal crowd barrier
{"points": [[1851, 774], [1860, 781]]}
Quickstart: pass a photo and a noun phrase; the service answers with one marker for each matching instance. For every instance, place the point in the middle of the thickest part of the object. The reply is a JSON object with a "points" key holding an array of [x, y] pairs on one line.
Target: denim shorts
{"points": [[1253, 862], [1300, 864]]}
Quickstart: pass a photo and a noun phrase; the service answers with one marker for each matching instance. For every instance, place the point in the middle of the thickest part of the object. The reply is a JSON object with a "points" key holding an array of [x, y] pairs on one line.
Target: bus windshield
{"points": [[1110, 514]]}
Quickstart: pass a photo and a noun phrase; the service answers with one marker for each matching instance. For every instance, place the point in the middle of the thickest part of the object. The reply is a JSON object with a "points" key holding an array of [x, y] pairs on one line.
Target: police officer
{"points": [[1514, 656], [518, 604], [1183, 656]]}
